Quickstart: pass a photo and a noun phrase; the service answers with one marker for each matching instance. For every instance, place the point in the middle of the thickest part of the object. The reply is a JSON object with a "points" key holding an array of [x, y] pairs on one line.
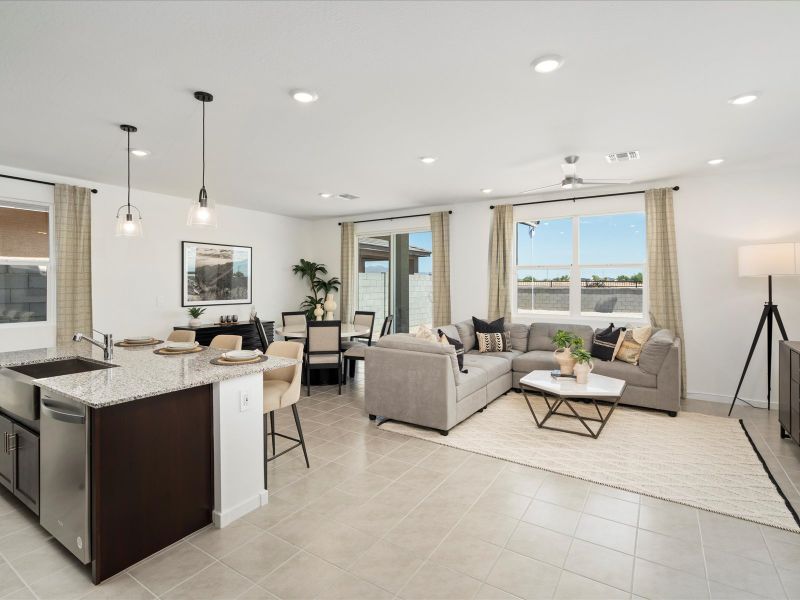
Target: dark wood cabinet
{"points": [[789, 389], [19, 462], [6, 457], [250, 339]]}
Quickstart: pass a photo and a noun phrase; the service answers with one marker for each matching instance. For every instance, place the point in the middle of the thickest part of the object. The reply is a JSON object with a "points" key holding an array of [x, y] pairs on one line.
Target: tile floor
{"points": [[380, 515]]}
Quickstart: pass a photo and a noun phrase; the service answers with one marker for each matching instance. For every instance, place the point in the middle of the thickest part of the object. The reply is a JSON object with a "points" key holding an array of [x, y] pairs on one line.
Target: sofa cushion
{"points": [[451, 331], [541, 335], [509, 356], [406, 341], [632, 374], [471, 382], [519, 335], [494, 366], [466, 331], [535, 360], [655, 350]]}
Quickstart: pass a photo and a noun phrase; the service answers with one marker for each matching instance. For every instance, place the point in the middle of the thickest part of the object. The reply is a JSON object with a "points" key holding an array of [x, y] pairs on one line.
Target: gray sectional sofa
{"points": [[418, 382]]}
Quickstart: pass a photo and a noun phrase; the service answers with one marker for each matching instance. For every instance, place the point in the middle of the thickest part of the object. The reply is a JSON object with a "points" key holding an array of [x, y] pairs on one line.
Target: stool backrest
{"points": [[181, 335], [226, 342]]}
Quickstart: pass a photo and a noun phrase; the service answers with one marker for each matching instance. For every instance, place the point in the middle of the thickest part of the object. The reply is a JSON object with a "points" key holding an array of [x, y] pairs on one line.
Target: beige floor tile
{"points": [[43, 561], [275, 511], [610, 534], [303, 527], [64, 584], [675, 521], [771, 533], [489, 592], [119, 587], [739, 572], [420, 535], [614, 493], [374, 518], [488, 526], [503, 502], [612, 509], [467, 554], [437, 582], [574, 587], [23, 541], [219, 541], [421, 478], [23, 593], [733, 535], [413, 453], [542, 544], [389, 468], [302, 577], [358, 458], [601, 564], [346, 586], [256, 592], [564, 491], [16, 521], [525, 483], [444, 459], [9, 581], [791, 582], [721, 591], [217, 582], [659, 582], [340, 544], [334, 502], [169, 568], [671, 552], [552, 516], [364, 484], [524, 577], [386, 565], [260, 556]]}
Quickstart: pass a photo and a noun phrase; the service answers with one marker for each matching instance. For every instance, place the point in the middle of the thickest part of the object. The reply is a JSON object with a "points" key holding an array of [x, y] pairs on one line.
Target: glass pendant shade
{"points": [[203, 213], [128, 223]]}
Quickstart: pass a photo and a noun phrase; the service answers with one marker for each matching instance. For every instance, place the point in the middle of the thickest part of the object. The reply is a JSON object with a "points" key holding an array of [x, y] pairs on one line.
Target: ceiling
{"points": [[396, 81]]}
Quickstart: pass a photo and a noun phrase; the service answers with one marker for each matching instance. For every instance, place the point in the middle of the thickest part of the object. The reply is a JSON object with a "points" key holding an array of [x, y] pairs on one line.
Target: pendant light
{"points": [[203, 213], [127, 224]]}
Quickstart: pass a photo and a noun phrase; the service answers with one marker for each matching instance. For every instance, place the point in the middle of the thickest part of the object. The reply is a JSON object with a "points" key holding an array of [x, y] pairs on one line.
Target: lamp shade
{"points": [[760, 260]]}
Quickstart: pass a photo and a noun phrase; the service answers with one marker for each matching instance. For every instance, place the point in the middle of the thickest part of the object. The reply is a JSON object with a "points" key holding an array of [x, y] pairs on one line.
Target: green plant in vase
{"points": [[583, 364], [564, 342], [195, 312]]}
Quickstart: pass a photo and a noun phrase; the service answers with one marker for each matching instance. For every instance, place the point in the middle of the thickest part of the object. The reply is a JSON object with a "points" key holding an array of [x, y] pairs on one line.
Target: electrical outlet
{"points": [[244, 401]]}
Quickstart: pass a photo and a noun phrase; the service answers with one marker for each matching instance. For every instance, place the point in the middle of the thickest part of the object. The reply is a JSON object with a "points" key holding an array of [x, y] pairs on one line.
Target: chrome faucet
{"points": [[107, 345]]}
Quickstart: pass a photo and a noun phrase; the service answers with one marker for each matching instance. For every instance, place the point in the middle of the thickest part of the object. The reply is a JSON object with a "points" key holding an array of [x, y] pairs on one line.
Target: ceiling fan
{"points": [[571, 180]]}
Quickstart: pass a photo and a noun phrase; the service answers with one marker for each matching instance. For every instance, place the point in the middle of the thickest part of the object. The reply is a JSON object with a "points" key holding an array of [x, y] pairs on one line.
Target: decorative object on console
{"points": [[330, 306], [204, 213], [127, 225], [318, 312], [766, 260], [565, 342], [216, 274], [583, 365], [194, 313], [607, 342], [632, 344]]}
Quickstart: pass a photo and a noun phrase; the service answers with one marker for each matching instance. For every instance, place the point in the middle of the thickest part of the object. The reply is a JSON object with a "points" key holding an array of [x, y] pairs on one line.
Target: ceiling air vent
{"points": [[347, 197], [622, 156]]}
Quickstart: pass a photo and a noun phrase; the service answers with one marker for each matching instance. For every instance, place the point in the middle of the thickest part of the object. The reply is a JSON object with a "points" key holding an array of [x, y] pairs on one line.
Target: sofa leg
{"points": [[672, 413], [443, 432], [481, 409], [372, 417]]}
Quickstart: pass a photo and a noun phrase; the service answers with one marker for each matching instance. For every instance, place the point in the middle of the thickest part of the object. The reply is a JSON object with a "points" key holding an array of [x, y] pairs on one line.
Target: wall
{"points": [[136, 282], [714, 213]]}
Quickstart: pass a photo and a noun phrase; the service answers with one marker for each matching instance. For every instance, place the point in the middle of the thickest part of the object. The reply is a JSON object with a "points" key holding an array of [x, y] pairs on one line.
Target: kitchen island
{"points": [[140, 450]]}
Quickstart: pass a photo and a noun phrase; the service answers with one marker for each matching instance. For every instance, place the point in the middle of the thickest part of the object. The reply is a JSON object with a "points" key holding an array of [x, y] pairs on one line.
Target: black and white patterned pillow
{"points": [[607, 342], [491, 342], [495, 327], [459, 349]]}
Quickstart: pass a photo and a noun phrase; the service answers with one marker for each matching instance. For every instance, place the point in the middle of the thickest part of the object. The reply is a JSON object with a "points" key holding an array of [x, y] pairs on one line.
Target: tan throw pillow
{"points": [[632, 344], [424, 333], [491, 342]]}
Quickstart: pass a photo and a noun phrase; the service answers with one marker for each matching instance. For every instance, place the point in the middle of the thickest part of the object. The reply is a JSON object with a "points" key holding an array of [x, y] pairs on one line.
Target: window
{"points": [[581, 265], [24, 262], [395, 277]]}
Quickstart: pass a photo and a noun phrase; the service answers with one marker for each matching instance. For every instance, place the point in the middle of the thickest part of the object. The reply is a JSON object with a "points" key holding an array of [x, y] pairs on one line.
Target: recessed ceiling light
{"points": [[428, 160], [325, 195], [487, 190], [139, 152], [743, 99], [304, 96], [547, 64], [347, 196], [716, 161]]}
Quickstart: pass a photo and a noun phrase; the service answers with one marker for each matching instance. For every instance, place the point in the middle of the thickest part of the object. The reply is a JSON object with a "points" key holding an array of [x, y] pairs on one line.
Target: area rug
{"points": [[698, 460]]}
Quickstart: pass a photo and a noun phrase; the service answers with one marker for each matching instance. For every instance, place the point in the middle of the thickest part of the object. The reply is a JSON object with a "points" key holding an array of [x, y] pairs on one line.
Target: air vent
{"points": [[622, 156], [347, 197]]}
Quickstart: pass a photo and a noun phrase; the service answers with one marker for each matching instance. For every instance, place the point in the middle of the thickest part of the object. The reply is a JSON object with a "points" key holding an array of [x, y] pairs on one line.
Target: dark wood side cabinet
{"points": [[789, 389], [250, 340], [19, 462]]}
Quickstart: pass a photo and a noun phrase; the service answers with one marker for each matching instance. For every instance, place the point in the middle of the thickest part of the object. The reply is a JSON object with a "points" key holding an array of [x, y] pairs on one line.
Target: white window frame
{"points": [[574, 268], [48, 262]]}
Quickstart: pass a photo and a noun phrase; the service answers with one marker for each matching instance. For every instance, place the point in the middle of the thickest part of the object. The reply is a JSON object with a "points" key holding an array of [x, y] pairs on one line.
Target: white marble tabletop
{"points": [[598, 386], [139, 373], [348, 330]]}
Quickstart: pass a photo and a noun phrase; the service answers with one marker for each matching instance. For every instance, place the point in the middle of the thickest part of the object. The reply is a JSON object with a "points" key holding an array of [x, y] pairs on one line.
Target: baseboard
{"points": [[223, 519], [725, 399]]}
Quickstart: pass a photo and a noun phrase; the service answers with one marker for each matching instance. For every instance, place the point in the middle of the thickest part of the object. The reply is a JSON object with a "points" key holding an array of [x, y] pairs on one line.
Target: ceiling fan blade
{"points": [[569, 169], [544, 187], [606, 181]]}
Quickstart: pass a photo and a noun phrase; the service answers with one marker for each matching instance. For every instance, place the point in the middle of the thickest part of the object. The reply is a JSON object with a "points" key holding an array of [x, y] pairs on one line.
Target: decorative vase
{"points": [[565, 361], [330, 306], [318, 312], [582, 371], [195, 322]]}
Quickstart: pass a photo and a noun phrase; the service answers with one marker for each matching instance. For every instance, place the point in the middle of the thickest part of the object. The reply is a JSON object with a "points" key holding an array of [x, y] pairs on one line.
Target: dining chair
{"points": [[181, 335], [226, 342], [358, 352], [323, 350], [282, 389], [262, 334], [361, 318], [294, 319]]}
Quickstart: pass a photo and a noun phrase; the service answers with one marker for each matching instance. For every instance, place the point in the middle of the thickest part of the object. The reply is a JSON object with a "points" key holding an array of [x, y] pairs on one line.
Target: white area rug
{"points": [[698, 460]]}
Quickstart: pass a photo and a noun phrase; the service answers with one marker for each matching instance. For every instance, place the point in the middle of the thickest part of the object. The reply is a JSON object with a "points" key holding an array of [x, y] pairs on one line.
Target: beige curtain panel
{"points": [[348, 258], [662, 268], [500, 257], [72, 220], [440, 230]]}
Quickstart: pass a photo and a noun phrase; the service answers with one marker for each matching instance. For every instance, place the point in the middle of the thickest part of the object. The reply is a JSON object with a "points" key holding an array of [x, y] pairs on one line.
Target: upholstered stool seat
{"points": [[274, 391]]}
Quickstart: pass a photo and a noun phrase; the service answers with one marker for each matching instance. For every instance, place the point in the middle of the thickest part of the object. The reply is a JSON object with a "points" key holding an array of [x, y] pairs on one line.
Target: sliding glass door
{"points": [[395, 277]]}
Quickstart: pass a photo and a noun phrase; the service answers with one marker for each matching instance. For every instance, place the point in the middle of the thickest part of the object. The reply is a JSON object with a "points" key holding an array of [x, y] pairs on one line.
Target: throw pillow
{"points": [[607, 342], [632, 344], [495, 327], [445, 339], [424, 333], [491, 342]]}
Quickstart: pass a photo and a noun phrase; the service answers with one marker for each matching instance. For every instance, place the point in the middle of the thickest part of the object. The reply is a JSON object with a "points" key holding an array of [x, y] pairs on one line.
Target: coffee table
{"points": [[561, 392]]}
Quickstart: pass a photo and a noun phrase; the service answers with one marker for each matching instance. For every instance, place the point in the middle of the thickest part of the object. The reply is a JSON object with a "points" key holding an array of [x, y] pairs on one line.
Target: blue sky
{"points": [[422, 239]]}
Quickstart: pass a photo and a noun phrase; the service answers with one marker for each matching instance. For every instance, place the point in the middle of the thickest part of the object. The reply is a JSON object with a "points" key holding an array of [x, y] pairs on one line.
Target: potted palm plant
{"points": [[194, 316], [565, 342], [321, 289], [583, 365]]}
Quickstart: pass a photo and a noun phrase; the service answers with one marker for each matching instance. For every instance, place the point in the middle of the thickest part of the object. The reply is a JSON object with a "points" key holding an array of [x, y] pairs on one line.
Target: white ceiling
{"points": [[396, 80]]}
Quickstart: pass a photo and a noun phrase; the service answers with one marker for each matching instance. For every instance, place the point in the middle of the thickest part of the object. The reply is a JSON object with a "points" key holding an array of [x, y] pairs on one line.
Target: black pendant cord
{"points": [[129, 171], [204, 146]]}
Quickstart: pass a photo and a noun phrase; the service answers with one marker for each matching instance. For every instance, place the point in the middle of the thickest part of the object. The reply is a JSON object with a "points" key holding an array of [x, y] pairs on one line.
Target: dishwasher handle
{"points": [[66, 417]]}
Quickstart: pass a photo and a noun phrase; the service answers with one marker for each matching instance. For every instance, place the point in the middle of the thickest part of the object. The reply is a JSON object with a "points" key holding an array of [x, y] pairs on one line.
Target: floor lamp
{"points": [[766, 260]]}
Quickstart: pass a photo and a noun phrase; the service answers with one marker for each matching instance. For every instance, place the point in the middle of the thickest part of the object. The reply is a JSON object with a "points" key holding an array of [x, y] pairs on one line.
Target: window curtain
{"points": [[500, 257], [72, 223], [347, 304], [662, 268], [440, 233]]}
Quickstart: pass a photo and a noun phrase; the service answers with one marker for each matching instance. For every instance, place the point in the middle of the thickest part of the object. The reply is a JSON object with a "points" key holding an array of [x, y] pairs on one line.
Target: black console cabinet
{"points": [[250, 340], [789, 389]]}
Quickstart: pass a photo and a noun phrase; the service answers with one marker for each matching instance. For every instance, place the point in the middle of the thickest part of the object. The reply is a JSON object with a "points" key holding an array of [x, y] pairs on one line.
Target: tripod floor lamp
{"points": [[766, 260]]}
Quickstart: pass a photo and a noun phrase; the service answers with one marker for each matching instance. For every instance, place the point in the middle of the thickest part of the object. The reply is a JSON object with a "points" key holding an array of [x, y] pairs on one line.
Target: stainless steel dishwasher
{"points": [[65, 499]]}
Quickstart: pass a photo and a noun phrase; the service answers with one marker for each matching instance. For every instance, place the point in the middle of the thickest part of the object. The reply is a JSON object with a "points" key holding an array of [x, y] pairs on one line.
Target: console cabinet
{"points": [[789, 389], [250, 338]]}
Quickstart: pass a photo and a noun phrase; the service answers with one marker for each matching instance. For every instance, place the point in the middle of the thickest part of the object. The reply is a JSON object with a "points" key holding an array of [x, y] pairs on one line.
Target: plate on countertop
{"points": [[181, 345], [240, 355]]}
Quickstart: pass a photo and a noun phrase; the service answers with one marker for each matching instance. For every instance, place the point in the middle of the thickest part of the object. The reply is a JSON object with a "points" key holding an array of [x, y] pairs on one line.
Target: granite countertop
{"points": [[138, 372]]}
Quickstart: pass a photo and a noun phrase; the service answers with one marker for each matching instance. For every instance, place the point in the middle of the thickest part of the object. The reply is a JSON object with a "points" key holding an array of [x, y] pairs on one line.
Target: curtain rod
{"points": [[449, 212], [94, 191], [674, 189]]}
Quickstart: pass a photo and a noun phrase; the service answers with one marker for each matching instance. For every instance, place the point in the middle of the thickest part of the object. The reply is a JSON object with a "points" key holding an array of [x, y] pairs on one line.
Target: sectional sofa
{"points": [[419, 382]]}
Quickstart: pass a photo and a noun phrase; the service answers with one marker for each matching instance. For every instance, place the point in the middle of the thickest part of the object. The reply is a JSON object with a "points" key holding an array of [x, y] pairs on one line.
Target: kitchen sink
{"points": [[19, 395]]}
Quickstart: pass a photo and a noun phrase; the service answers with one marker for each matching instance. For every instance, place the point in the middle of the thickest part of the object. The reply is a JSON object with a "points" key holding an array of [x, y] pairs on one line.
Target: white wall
{"points": [[714, 214], [136, 282]]}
